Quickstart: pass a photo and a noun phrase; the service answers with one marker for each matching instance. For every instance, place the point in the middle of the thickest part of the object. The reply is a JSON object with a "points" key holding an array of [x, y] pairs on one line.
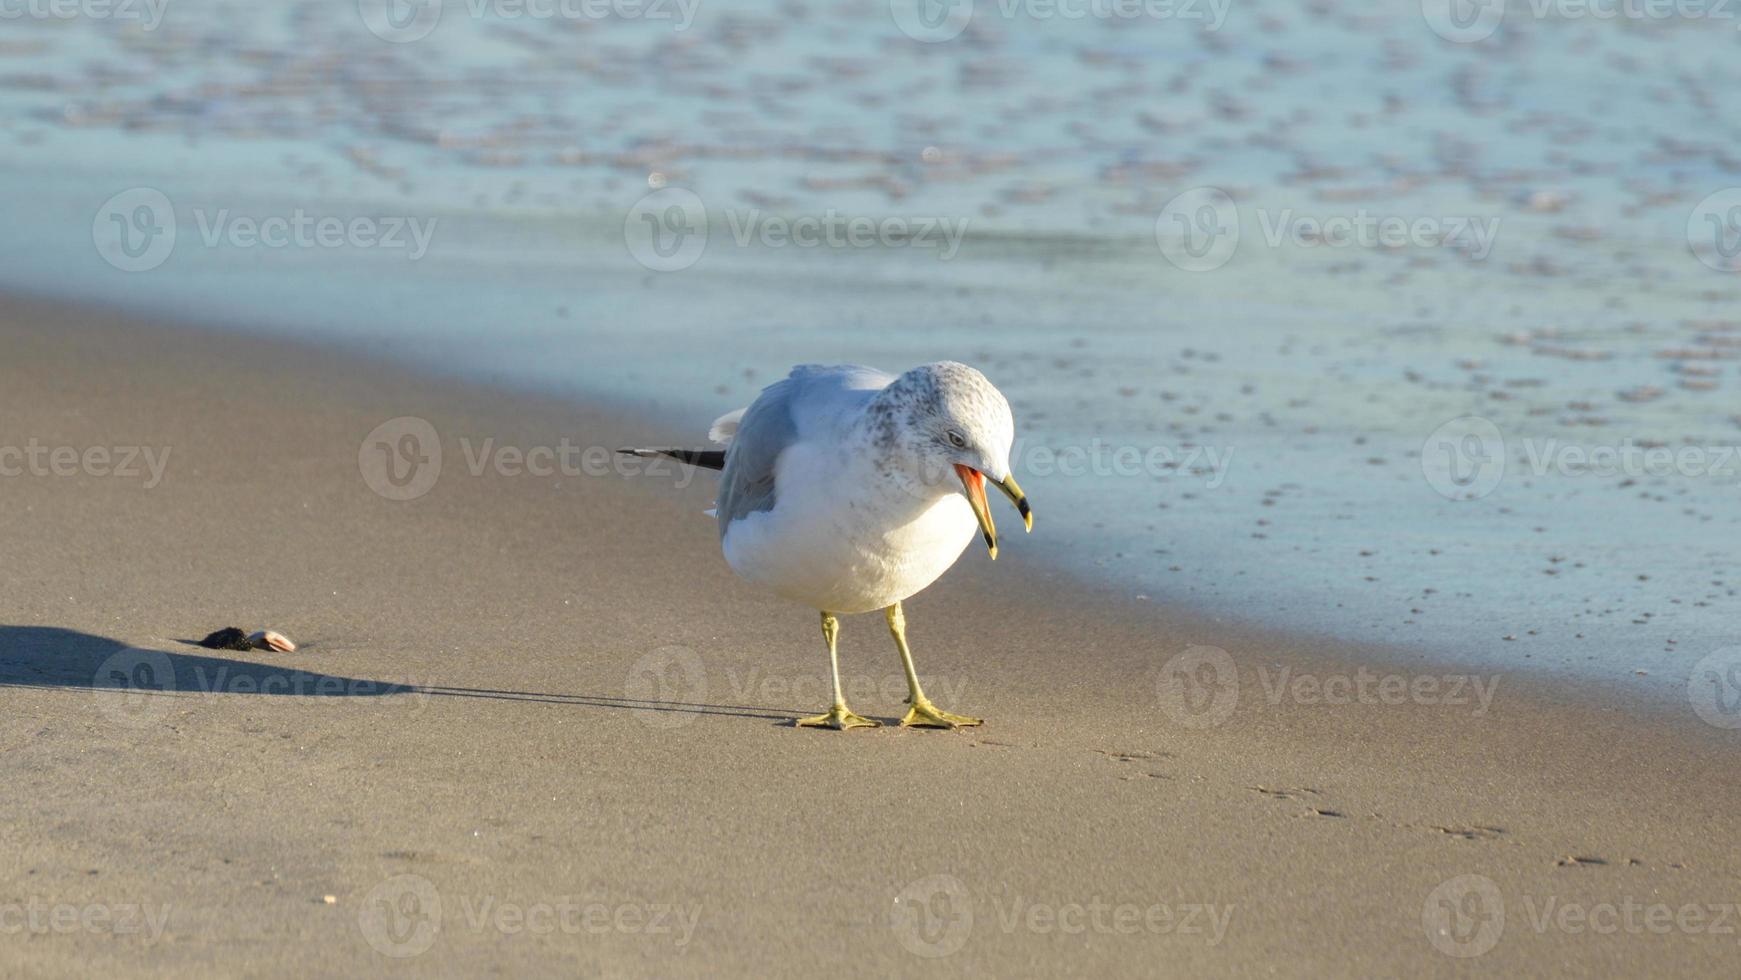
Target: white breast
{"points": [[844, 540]]}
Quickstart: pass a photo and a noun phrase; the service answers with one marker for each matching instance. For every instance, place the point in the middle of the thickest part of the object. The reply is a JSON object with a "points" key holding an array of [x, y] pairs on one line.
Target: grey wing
{"points": [[770, 424], [766, 429]]}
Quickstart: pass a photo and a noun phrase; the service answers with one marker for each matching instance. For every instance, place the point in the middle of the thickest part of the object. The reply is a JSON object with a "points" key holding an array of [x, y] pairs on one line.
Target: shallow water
{"points": [[1250, 423]]}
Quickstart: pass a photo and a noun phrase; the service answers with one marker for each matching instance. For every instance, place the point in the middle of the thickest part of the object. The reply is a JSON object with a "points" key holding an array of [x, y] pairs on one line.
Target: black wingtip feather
{"points": [[707, 459]]}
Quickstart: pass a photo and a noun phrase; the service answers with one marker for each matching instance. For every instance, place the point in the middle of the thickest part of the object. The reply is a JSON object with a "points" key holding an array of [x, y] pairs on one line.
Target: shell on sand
{"points": [[272, 640]]}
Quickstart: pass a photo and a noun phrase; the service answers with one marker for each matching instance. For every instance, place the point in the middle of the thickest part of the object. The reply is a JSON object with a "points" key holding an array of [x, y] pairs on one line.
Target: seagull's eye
{"points": [[956, 440]]}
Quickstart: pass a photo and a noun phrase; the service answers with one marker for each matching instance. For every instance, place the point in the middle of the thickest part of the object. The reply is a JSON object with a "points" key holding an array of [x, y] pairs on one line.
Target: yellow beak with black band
{"points": [[974, 482]]}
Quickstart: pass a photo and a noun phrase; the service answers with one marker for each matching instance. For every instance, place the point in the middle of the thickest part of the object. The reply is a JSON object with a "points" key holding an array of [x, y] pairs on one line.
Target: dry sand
{"points": [[471, 737]]}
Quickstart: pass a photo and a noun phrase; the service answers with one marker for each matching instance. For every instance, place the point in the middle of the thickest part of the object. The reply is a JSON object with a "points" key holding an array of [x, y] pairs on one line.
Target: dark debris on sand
{"points": [[228, 638]]}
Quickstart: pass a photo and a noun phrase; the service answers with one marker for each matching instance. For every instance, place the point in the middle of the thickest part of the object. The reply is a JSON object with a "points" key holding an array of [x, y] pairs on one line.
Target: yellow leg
{"points": [[923, 713], [839, 716]]}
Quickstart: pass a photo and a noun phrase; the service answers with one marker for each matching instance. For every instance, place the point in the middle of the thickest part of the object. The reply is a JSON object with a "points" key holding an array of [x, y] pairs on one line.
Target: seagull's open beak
{"points": [[974, 482]]}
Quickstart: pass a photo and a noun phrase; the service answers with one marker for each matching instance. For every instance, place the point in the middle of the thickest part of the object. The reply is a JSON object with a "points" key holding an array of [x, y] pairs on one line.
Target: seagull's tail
{"points": [[707, 459], [721, 433]]}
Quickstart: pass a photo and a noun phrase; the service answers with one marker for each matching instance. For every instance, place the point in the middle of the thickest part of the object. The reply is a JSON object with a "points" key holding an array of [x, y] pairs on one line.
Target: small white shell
{"points": [[270, 640]]}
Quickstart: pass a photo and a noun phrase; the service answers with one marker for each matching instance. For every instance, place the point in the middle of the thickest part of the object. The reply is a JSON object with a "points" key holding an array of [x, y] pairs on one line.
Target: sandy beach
{"points": [[535, 726]]}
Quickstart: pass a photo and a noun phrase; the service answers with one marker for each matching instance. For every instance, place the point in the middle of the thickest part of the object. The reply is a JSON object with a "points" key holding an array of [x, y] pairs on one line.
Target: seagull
{"points": [[850, 490]]}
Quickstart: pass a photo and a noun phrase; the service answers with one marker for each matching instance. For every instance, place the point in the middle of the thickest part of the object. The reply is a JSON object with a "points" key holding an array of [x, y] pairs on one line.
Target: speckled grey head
{"points": [[938, 415]]}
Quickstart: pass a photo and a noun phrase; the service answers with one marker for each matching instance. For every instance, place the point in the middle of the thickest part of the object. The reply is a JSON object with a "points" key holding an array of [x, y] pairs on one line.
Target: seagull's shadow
{"points": [[604, 701], [52, 657]]}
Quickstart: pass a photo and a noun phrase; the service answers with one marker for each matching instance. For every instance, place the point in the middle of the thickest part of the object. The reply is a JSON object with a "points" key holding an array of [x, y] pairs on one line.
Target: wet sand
{"points": [[541, 714]]}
